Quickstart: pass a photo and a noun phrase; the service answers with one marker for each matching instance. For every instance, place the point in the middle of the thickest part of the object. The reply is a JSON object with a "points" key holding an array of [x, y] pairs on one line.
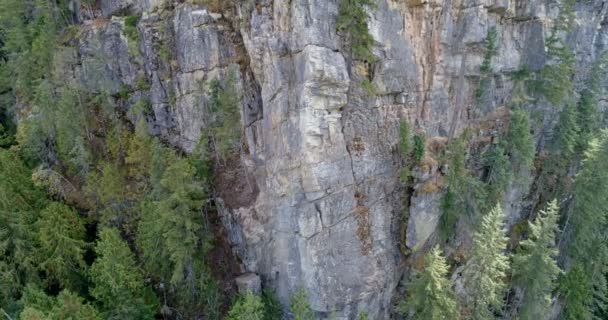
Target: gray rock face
{"points": [[321, 153], [249, 282]]}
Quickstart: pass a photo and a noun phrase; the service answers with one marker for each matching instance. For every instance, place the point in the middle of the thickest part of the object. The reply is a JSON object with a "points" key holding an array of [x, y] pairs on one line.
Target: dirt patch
{"points": [[356, 146], [235, 185], [364, 232]]}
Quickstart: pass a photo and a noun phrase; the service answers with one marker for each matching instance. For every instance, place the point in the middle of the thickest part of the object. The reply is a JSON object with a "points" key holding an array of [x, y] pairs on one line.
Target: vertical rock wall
{"points": [[318, 203]]}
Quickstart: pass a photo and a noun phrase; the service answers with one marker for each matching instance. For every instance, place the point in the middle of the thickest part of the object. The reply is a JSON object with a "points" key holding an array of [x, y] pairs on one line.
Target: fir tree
{"points": [[118, 283], [430, 293], [485, 272], [247, 307], [534, 267]]}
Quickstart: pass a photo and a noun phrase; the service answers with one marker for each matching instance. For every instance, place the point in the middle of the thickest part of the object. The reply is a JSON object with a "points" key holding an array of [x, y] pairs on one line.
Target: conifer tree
{"points": [[430, 294], [118, 282], [172, 240], [519, 142], [534, 267], [352, 19], [20, 203], [247, 307], [139, 152], [300, 307], [485, 272], [576, 294], [61, 239], [586, 225], [37, 305]]}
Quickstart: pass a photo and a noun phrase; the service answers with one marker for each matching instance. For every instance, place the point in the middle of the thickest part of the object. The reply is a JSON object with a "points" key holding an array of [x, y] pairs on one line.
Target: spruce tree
{"points": [[247, 307], [430, 294], [118, 283], [534, 267], [485, 272]]}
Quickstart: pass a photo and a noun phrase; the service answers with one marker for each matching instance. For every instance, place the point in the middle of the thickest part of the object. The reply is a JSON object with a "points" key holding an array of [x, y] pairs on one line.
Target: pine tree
{"points": [[430, 294], [534, 267], [118, 283], [61, 239], [247, 307], [300, 307], [485, 272]]}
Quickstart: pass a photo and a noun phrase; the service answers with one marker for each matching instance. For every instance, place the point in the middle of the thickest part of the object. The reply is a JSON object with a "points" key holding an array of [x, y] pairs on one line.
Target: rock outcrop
{"points": [[320, 201]]}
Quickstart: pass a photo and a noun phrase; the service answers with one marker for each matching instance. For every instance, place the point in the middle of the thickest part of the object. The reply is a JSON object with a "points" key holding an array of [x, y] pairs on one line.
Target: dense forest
{"points": [[100, 219]]}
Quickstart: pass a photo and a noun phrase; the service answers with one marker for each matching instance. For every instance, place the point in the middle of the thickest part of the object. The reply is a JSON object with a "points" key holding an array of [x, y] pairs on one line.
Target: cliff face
{"points": [[315, 200]]}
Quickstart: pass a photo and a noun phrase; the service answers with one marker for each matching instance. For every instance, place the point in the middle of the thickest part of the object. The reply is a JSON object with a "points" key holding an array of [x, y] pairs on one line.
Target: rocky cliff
{"points": [[315, 200]]}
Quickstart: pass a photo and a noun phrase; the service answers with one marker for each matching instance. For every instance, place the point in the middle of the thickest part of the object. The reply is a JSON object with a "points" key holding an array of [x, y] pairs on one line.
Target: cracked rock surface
{"points": [[319, 203]]}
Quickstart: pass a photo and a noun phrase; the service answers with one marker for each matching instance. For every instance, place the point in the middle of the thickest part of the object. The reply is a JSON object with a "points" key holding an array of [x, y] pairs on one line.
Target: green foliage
{"points": [[171, 233], [519, 142], [107, 191], [139, 152], [247, 307], [352, 20], [20, 204], [273, 310], [486, 65], [225, 128], [577, 295], [142, 83], [363, 316], [131, 32], [405, 147], [534, 266], [61, 239], [118, 282], [430, 294], [566, 135], [555, 79], [369, 87], [499, 174], [66, 306], [463, 192], [485, 272], [587, 225], [419, 147], [300, 307]]}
